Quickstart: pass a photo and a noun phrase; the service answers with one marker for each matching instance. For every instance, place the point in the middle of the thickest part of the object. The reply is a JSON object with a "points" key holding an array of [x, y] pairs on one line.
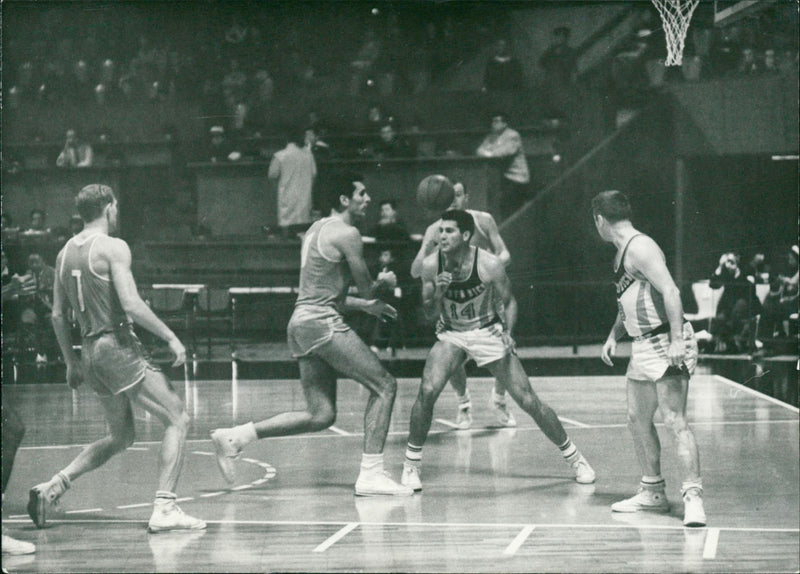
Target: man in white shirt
{"points": [[294, 169], [505, 142]]}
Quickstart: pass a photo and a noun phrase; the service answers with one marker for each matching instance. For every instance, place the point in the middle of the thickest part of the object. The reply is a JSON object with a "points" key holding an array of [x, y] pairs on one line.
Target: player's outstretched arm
{"points": [[118, 256], [429, 243], [62, 330]]}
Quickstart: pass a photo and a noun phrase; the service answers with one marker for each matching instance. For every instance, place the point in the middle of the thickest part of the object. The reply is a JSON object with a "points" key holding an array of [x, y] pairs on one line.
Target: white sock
{"points": [[372, 462], [164, 497], [465, 398], [245, 434]]}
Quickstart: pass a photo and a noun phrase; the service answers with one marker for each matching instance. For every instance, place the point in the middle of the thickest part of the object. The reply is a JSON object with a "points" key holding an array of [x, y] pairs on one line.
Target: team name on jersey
{"points": [[624, 282], [464, 295]]}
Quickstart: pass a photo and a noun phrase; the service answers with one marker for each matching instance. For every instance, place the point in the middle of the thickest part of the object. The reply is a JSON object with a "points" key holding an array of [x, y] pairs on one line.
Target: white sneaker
{"points": [[40, 497], [501, 412], [169, 516], [227, 452], [584, 473], [693, 512], [14, 547], [410, 477], [464, 416], [645, 499], [372, 483]]}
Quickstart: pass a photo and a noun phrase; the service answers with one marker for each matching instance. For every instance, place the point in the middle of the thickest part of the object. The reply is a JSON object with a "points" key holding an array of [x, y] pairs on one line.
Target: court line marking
{"points": [[710, 547], [83, 511], [448, 423], [519, 540], [337, 430], [573, 422], [759, 394], [489, 525], [336, 537]]}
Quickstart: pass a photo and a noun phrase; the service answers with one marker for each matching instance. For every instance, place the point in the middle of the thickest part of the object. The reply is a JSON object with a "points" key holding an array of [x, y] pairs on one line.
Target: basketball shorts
{"points": [[484, 345], [114, 362], [312, 326], [649, 360]]}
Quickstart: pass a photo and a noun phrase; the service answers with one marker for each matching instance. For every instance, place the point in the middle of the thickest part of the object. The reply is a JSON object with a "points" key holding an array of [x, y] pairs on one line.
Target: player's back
{"points": [[323, 281], [92, 296]]}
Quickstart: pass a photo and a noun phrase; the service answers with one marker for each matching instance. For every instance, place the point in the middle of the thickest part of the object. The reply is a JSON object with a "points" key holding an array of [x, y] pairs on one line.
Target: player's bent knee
{"points": [[322, 420]]}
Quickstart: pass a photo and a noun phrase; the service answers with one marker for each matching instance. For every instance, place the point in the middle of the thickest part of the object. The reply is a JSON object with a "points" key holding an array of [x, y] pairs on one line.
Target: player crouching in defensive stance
{"points": [[663, 356], [470, 292], [94, 280]]}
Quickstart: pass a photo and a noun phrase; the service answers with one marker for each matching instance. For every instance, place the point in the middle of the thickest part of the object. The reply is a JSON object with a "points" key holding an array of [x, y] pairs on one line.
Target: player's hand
{"points": [[74, 375], [388, 278], [178, 350], [676, 352], [509, 343], [381, 310], [443, 280], [609, 349]]}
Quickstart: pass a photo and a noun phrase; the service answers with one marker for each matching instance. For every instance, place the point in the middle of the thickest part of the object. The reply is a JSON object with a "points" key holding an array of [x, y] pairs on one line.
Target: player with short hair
{"points": [[94, 280], [487, 237], [469, 291], [663, 357], [324, 344]]}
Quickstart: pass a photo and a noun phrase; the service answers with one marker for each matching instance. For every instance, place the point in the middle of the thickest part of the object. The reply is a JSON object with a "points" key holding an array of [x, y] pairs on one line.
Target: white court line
{"points": [[137, 505], [137, 448], [487, 526], [336, 537], [210, 494], [520, 539], [447, 423], [756, 393], [83, 511], [202, 453], [337, 430], [710, 548], [574, 422]]}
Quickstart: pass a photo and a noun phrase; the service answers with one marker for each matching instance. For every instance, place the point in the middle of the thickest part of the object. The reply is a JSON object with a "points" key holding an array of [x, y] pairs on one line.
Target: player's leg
{"points": [[642, 403], [672, 392], [499, 405], [155, 395], [351, 357], [443, 360], [509, 371], [118, 413], [13, 431], [459, 383]]}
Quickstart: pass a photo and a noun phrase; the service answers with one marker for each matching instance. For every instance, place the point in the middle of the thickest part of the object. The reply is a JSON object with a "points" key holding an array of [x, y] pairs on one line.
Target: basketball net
{"points": [[675, 15]]}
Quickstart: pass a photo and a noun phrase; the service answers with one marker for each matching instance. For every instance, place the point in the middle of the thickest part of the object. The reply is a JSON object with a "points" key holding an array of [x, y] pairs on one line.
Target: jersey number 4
{"points": [[467, 312], [76, 273]]}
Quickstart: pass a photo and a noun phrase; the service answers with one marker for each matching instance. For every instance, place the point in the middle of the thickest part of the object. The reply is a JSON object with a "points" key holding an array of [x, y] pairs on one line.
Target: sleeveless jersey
{"points": [[467, 305], [323, 279], [641, 306], [93, 298]]}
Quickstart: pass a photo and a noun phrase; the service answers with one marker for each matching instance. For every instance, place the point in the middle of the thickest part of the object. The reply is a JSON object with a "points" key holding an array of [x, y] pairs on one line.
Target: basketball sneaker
{"points": [[501, 412], [464, 416], [227, 452], [379, 483], [44, 494], [649, 499], [410, 477], [168, 516], [14, 547], [693, 512], [584, 473]]}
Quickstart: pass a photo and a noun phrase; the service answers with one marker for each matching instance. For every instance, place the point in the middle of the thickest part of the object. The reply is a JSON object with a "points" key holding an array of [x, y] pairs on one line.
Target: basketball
{"points": [[435, 193]]}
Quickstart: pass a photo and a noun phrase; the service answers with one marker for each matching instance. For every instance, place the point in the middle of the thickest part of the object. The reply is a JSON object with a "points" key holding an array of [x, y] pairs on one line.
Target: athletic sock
{"points": [[694, 484], [569, 451], [245, 434], [653, 482], [413, 455], [372, 462], [165, 497], [60, 483]]}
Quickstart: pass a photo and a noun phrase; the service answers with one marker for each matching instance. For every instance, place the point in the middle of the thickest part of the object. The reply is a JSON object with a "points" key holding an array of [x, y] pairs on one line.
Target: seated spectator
{"points": [[758, 270], [12, 286], [76, 153], [389, 227], [391, 145], [503, 71], [7, 226], [219, 149], [36, 301], [781, 302], [732, 327], [559, 59], [506, 143], [37, 223], [387, 335]]}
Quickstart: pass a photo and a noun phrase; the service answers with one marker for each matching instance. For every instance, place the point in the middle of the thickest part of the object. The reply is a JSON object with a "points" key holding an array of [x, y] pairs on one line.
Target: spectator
{"points": [[758, 270], [504, 142], [732, 327], [75, 225], [294, 169], [219, 148], [391, 145], [389, 228], [559, 59], [781, 302], [37, 303], [75, 153], [38, 223], [503, 71], [12, 286]]}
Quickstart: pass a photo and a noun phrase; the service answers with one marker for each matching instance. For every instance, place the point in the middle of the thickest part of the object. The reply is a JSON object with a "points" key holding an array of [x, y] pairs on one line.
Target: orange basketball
{"points": [[435, 193]]}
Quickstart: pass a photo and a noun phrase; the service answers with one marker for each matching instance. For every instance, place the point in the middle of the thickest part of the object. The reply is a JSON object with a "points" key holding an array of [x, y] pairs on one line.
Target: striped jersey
{"points": [[92, 296], [641, 306], [324, 277], [468, 304]]}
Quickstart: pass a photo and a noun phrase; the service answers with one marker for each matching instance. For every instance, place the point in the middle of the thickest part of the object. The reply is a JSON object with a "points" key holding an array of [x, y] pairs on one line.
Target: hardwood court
{"points": [[494, 500]]}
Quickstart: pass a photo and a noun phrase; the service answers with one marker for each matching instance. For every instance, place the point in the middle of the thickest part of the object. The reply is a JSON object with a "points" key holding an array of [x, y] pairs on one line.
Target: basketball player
{"points": [[324, 344], [663, 357], [13, 431], [94, 280], [469, 291], [486, 237]]}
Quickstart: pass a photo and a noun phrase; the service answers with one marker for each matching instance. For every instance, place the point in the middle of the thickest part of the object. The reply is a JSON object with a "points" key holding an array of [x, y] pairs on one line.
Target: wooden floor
{"points": [[494, 500]]}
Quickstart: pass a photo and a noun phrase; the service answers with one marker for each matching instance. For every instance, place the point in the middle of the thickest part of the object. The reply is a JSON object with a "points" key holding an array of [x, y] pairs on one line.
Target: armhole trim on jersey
{"points": [[478, 267], [625, 253], [63, 260], [478, 228], [89, 259], [319, 244]]}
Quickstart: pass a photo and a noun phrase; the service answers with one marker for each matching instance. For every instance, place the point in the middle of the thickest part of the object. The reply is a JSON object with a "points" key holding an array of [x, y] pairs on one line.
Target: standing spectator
{"points": [[737, 307], [387, 334], [559, 59], [294, 169], [506, 143], [503, 71], [76, 153]]}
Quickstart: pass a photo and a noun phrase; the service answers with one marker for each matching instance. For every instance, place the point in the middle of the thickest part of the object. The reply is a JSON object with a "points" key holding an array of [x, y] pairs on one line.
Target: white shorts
{"points": [[483, 345], [649, 360]]}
